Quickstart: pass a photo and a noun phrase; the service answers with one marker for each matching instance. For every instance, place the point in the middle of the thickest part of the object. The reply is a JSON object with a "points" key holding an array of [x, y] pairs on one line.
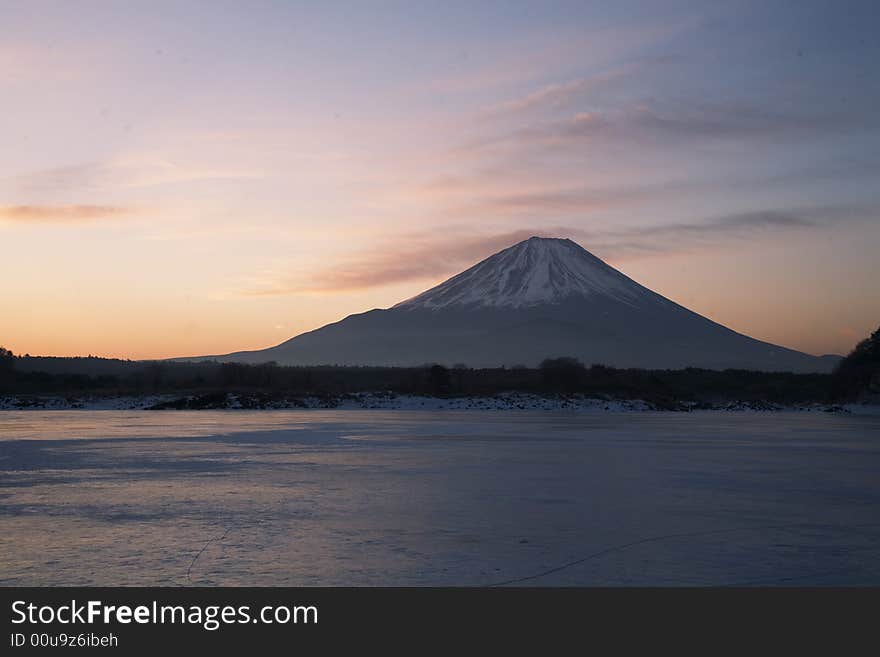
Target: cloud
{"points": [[123, 173], [679, 124], [569, 47], [41, 214], [718, 232], [570, 201], [413, 257], [552, 96], [720, 121], [532, 189], [22, 62], [760, 219], [430, 257]]}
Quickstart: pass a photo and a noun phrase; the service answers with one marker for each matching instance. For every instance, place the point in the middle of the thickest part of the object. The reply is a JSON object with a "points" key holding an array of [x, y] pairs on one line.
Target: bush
{"points": [[563, 374], [7, 359], [859, 373], [438, 380]]}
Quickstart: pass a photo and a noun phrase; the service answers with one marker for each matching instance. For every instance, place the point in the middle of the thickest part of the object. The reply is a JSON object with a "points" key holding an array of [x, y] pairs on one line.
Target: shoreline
{"points": [[509, 401]]}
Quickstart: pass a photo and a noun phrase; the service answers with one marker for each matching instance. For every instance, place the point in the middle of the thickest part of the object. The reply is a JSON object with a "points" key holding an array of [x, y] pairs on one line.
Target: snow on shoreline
{"points": [[510, 401]]}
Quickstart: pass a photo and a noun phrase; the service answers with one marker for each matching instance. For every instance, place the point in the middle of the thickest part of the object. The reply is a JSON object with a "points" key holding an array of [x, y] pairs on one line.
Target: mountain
{"points": [[538, 299]]}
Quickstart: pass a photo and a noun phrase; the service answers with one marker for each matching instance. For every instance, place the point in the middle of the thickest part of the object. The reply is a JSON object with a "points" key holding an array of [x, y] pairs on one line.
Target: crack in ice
{"points": [[204, 547]]}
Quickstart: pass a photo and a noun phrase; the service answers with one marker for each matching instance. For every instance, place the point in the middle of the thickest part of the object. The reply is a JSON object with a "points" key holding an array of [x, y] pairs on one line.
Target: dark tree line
{"points": [[857, 376], [557, 376]]}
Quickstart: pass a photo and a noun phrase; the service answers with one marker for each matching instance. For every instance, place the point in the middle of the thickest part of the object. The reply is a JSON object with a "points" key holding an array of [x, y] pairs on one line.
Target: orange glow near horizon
{"points": [[130, 327]]}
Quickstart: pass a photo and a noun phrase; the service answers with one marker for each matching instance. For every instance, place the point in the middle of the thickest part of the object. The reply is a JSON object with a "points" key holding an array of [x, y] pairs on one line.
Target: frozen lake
{"points": [[448, 498]]}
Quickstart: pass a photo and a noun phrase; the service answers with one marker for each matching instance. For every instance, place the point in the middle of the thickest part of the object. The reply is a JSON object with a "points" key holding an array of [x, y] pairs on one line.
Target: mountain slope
{"points": [[540, 298]]}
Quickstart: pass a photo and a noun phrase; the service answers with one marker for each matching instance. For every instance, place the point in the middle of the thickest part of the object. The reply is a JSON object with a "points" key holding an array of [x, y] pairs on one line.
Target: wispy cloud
{"points": [[553, 96], [569, 201], [413, 257], [682, 124], [22, 62], [432, 257], [748, 220], [719, 231], [562, 48], [124, 173], [688, 236], [59, 213]]}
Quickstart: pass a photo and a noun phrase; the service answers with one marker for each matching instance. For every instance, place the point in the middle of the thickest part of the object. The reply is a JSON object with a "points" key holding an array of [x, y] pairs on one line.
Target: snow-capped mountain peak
{"points": [[535, 271], [541, 298]]}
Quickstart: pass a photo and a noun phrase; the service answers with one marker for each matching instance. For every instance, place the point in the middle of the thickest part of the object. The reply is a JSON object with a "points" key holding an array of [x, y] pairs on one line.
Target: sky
{"points": [[185, 178]]}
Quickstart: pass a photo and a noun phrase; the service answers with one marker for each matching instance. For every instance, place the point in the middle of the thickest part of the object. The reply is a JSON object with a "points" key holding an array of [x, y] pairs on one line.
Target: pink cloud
{"points": [[59, 213]]}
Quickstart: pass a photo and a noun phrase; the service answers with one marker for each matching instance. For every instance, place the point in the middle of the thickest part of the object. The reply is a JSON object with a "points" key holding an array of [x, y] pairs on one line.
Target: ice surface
{"points": [[457, 498]]}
